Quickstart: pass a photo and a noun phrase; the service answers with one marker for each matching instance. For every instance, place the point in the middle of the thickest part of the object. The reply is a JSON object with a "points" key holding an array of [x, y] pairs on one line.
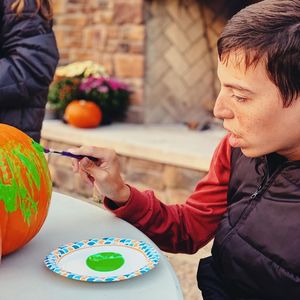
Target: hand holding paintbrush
{"points": [[69, 154], [104, 173]]}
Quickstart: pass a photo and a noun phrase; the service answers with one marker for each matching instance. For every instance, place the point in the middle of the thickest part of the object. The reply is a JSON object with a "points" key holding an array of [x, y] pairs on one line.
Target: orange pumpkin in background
{"points": [[25, 188], [83, 114]]}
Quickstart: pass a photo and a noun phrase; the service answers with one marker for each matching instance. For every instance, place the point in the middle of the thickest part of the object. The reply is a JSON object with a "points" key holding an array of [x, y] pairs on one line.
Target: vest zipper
{"points": [[267, 181], [256, 193]]}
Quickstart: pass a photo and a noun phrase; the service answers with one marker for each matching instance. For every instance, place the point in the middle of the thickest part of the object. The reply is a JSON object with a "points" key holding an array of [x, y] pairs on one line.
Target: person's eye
{"points": [[238, 98]]}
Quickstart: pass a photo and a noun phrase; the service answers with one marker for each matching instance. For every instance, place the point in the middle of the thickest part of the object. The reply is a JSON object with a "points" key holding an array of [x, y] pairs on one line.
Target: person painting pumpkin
{"points": [[249, 202], [28, 59]]}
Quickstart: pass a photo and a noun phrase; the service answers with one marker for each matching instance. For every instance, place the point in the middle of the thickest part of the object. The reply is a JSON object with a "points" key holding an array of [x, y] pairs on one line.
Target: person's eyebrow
{"points": [[238, 87]]}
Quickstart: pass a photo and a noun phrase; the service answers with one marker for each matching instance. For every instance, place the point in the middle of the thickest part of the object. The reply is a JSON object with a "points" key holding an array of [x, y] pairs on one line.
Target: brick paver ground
{"points": [[185, 267]]}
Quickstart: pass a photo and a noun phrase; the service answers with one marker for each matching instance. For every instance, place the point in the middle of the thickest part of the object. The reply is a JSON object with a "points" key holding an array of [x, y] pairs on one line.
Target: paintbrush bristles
{"points": [[47, 150]]}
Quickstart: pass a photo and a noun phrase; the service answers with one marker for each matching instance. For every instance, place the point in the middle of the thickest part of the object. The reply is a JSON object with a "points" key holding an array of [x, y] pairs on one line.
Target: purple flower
{"points": [[116, 85], [102, 85], [91, 83], [103, 89]]}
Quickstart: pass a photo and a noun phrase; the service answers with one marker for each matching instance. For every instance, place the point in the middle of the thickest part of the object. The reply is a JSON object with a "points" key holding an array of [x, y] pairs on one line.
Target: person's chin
{"points": [[250, 152]]}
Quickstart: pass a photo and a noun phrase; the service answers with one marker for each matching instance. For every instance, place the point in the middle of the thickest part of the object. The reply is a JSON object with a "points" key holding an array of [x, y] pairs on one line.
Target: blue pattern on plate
{"points": [[52, 258]]}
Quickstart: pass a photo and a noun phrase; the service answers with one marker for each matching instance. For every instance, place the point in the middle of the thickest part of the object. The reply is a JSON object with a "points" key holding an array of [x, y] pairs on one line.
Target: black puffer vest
{"points": [[256, 251]]}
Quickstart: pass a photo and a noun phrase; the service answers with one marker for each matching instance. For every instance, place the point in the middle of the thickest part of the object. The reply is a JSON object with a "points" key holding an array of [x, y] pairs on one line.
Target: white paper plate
{"points": [[70, 260]]}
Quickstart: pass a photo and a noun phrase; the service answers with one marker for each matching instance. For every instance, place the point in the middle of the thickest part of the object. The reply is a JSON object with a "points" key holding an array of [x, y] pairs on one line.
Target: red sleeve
{"points": [[187, 227]]}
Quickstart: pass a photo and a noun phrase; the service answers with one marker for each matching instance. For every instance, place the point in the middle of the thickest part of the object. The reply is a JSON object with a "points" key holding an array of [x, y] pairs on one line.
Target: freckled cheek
{"points": [[249, 125]]}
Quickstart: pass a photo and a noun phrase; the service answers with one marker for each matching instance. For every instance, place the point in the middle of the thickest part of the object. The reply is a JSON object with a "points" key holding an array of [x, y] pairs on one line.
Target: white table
{"points": [[24, 276]]}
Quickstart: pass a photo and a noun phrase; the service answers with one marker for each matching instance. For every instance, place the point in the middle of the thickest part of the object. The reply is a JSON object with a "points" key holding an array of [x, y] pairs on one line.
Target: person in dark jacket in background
{"points": [[28, 58], [250, 199]]}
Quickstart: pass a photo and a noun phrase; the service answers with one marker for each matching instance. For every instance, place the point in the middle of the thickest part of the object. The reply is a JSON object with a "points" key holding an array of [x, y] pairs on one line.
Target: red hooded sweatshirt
{"points": [[182, 227]]}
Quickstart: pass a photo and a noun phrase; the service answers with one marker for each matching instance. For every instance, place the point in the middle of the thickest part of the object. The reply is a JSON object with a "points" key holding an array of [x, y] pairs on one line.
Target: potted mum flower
{"points": [[61, 93], [89, 81], [65, 86], [109, 93]]}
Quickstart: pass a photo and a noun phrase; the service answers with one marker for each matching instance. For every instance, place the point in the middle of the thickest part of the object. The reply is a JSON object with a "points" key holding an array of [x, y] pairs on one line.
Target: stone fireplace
{"points": [[180, 61]]}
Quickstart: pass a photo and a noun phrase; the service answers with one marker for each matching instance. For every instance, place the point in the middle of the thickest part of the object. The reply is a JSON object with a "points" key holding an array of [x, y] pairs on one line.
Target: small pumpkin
{"points": [[83, 114], [25, 188]]}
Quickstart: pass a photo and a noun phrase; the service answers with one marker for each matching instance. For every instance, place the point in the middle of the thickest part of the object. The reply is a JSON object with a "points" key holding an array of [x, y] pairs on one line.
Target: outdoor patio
{"points": [[166, 54]]}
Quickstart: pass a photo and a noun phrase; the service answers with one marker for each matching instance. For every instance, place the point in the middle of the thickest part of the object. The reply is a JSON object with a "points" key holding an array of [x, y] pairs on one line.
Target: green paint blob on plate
{"points": [[105, 261]]}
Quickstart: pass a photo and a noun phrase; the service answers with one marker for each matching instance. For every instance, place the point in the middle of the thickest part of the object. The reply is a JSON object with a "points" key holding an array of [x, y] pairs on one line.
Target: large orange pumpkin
{"points": [[83, 114], [25, 188]]}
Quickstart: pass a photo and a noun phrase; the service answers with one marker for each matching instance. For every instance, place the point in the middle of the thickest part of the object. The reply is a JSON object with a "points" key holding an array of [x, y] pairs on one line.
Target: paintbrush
{"points": [[69, 154]]}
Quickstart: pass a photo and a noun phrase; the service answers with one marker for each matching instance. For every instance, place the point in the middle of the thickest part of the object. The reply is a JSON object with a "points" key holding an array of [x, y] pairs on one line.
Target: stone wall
{"points": [[109, 32], [171, 184]]}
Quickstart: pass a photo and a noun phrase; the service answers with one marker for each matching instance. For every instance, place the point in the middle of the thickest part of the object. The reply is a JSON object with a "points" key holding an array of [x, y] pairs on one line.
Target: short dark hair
{"points": [[268, 30]]}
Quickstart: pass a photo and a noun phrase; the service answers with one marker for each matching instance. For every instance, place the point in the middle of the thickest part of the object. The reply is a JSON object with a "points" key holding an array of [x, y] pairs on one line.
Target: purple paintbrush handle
{"points": [[78, 156], [69, 154]]}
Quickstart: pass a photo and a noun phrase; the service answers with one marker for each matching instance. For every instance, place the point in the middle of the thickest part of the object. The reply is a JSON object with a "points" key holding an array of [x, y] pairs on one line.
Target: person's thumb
{"points": [[87, 166]]}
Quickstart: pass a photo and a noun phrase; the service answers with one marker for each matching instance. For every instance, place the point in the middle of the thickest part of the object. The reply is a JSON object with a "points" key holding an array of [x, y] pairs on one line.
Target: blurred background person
{"points": [[28, 59]]}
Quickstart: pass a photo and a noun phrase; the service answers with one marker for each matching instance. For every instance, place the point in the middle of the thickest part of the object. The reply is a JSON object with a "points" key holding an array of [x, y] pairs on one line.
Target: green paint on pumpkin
{"points": [[105, 261], [37, 147], [41, 154], [14, 192]]}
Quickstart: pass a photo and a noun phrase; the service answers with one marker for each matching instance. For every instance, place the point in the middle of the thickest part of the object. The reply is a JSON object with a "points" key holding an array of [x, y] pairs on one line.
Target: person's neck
{"points": [[291, 155]]}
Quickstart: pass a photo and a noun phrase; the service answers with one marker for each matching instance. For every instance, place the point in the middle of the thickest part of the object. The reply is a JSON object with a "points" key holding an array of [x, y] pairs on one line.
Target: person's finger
{"points": [[75, 162], [86, 164], [75, 165], [93, 171], [88, 179]]}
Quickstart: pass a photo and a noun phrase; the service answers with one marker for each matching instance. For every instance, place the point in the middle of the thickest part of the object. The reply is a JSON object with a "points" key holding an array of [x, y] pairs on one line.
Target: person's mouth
{"points": [[234, 139]]}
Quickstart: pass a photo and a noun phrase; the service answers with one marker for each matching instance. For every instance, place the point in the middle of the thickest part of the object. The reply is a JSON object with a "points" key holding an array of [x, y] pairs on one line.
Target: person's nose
{"points": [[221, 110]]}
